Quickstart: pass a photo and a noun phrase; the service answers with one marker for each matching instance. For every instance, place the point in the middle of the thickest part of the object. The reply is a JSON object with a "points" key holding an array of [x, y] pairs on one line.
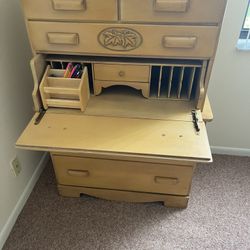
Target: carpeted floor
{"points": [[218, 216]]}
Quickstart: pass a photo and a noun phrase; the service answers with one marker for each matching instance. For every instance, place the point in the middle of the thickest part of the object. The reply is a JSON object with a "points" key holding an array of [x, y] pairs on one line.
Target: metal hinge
{"points": [[195, 121], [40, 116]]}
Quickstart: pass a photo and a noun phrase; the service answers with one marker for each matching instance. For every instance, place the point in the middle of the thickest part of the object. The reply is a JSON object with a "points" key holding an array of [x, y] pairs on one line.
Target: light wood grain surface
{"points": [[123, 175], [122, 135], [151, 45], [195, 11]]}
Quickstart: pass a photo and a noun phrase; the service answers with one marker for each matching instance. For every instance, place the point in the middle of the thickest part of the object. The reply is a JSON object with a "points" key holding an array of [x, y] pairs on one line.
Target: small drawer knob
{"points": [[121, 73]]}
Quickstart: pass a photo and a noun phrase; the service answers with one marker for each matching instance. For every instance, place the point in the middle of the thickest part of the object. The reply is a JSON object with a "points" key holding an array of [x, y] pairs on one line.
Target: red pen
{"points": [[68, 70]]}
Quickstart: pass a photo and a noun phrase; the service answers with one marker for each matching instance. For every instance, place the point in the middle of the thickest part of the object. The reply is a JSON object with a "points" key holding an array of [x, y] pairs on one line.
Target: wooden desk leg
{"points": [[176, 201]]}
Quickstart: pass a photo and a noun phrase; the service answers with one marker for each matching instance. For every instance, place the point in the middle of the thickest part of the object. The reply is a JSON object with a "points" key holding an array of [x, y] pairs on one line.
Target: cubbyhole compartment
{"points": [[176, 81], [60, 92]]}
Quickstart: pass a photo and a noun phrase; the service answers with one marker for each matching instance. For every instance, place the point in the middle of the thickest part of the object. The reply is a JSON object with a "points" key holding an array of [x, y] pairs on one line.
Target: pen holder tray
{"points": [[59, 92]]}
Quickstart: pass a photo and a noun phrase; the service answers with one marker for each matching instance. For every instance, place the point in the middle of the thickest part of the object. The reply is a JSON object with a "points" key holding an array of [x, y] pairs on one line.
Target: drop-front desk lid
{"points": [[66, 132]]}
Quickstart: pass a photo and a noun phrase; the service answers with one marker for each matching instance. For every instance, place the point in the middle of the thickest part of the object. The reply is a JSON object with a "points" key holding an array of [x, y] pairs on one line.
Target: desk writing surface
{"points": [[65, 132]]}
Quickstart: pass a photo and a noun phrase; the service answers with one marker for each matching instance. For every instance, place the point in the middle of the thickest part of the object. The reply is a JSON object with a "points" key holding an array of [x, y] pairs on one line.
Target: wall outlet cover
{"points": [[16, 166]]}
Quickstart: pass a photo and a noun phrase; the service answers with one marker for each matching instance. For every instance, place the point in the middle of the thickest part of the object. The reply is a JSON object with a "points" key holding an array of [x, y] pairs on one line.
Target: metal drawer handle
{"points": [[179, 42], [63, 38], [78, 173], [121, 73], [69, 5], [166, 180], [171, 5]]}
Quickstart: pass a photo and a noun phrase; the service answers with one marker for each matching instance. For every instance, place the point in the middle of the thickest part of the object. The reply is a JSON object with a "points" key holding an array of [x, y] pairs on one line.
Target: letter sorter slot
{"points": [[60, 92], [175, 81]]}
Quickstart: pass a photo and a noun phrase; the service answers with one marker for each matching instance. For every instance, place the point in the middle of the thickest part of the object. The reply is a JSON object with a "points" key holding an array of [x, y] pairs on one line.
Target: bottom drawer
{"points": [[123, 175]]}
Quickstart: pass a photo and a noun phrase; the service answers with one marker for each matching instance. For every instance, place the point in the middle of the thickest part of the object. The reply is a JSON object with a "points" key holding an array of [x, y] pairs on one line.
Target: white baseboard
{"points": [[4, 234], [230, 151]]}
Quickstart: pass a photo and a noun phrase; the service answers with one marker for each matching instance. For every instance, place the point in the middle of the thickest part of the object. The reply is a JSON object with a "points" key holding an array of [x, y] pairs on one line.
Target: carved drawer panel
{"points": [[123, 175], [129, 40], [70, 10], [181, 11]]}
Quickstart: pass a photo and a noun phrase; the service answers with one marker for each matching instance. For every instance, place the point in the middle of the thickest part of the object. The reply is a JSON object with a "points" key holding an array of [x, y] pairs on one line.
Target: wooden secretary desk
{"points": [[132, 128]]}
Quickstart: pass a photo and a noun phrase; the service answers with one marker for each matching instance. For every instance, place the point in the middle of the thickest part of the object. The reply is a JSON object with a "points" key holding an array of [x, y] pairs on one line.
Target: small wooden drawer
{"points": [[147, 40], [123, 175], [60, 92], [71, 10], [176, 11], [122, 72]]}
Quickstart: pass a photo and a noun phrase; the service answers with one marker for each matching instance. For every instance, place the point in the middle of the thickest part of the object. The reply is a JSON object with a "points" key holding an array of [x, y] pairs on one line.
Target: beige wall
{"points": [[15, 105], [229, 89]]}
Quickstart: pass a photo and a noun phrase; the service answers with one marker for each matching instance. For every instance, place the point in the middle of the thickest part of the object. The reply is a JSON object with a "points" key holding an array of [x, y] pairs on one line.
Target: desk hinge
{"points": [[40, 116], [195, 121]]}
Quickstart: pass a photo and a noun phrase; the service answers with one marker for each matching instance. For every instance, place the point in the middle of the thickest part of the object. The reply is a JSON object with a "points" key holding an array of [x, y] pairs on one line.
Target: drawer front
{"points": [[70, 9], [122, 72], [123, 175], [134, 40], [177, 11]]}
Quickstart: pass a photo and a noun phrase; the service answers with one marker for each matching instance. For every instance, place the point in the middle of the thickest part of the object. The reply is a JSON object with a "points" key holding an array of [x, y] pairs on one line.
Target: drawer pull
{"points": [[121, 73], [69, 5], [78, 173], [171, 5], [179, 42], [63, 38], [166, 180]]}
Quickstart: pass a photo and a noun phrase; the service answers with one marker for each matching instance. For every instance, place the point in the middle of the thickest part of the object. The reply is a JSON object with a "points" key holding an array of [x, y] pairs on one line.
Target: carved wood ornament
{"points": [[120, 39]]}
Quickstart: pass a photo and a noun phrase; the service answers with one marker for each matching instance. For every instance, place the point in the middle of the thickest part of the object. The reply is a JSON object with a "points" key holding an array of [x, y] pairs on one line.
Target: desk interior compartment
{"points": [[112, 123]]}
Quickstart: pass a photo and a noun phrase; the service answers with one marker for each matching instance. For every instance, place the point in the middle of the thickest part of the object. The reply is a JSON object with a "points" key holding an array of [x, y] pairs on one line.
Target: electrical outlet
{"points": [[16, 166]]}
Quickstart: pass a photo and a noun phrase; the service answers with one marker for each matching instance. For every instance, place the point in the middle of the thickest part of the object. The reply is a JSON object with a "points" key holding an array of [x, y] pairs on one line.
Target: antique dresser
{"points": [[132, 126]]}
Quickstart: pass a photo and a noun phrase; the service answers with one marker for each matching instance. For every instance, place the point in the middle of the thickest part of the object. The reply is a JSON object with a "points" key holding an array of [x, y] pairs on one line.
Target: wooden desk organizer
{"points": [[133, 127], [60, 92]]}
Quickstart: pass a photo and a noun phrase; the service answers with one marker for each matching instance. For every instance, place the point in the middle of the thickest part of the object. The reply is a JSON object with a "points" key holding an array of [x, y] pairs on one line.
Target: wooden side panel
{"points": [[80, 133], [38, 66], [207, 112]]}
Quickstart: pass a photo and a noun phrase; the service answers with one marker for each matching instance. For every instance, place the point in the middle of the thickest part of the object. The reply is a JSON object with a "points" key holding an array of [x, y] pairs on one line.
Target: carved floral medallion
{"points": [[120, 39]]}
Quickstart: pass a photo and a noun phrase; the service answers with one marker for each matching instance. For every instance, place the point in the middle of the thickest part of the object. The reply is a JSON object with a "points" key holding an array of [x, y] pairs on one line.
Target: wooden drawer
{"points": [[166, 41], [122, 72], [177, 11], [70, 9], [123, 175]]}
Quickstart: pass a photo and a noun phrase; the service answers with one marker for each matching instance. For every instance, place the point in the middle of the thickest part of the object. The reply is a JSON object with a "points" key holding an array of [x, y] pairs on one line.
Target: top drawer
{"points": [[177, 11], [71, 10]]}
